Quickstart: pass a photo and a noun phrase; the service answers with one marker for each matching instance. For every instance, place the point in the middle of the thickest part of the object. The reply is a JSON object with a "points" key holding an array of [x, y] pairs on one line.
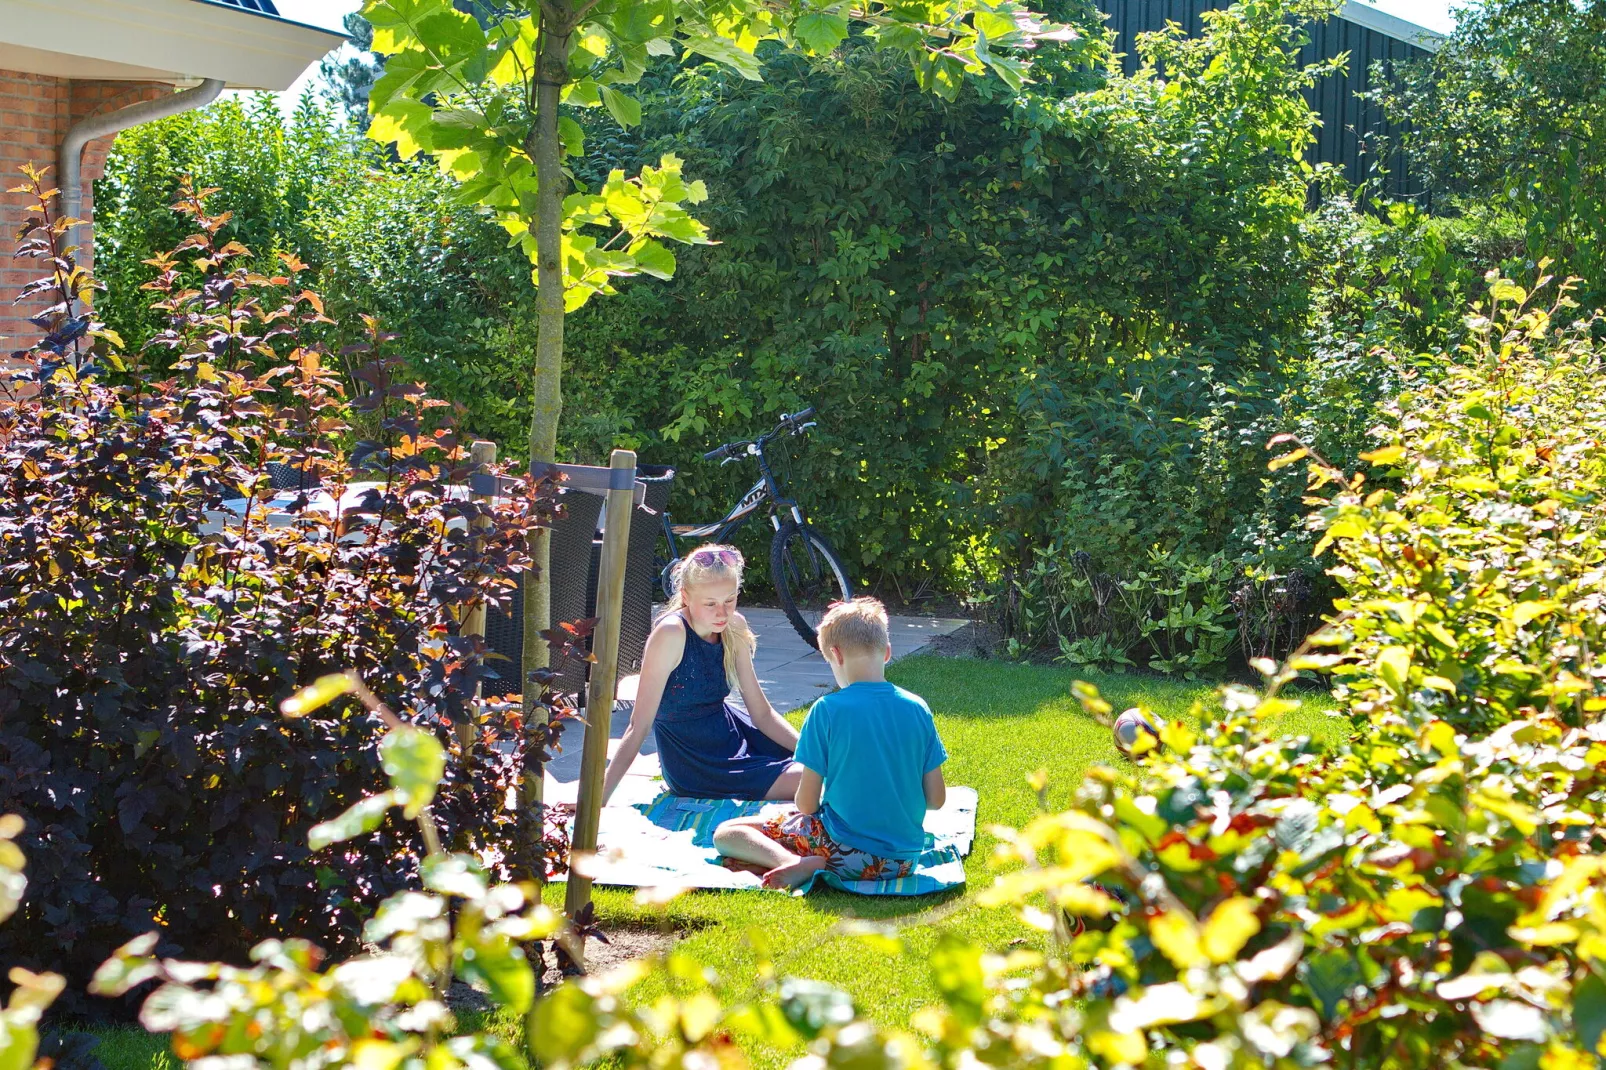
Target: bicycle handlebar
{"points": [[793, 423]]}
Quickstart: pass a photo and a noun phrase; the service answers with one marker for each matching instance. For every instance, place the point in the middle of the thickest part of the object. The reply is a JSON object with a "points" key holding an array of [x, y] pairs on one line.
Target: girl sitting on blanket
{"points": [[700, 648]]}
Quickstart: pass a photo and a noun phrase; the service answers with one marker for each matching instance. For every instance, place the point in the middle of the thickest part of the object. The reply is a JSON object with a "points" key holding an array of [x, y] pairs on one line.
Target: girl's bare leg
{"points": [[785, 786]]}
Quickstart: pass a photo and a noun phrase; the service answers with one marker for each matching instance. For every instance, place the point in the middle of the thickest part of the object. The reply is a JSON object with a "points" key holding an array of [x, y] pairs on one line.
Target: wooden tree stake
{"points": [[481, 455], [604, 673]]}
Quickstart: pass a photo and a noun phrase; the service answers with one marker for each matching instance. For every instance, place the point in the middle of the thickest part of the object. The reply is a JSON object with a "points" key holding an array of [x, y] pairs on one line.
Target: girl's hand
{"points": [[765, 719]]}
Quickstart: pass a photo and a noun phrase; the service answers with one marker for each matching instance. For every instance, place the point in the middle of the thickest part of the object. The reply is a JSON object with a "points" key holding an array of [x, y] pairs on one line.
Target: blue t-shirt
{"points": [[873, 744]]}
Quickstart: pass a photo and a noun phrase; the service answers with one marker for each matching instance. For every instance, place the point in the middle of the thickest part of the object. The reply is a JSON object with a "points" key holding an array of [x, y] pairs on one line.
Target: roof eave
{"points": [[225, 5], [1391, 26], [170, 40]]}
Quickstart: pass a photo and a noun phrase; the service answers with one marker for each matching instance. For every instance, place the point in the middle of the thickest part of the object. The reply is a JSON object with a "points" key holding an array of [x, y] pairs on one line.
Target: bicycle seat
{"points": [[694, 530]]}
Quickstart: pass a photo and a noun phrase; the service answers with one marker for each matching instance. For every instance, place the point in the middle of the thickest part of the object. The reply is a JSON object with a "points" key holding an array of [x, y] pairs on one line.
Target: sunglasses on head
{"points": [[710, 558]]}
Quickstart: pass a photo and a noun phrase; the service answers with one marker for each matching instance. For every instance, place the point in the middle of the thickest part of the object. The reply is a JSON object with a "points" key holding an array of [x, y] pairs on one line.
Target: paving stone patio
{"points": [[792, 673]]}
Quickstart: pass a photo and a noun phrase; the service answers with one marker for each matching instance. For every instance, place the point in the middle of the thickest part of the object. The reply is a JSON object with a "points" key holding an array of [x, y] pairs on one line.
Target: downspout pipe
{"points": [[69, 165]]}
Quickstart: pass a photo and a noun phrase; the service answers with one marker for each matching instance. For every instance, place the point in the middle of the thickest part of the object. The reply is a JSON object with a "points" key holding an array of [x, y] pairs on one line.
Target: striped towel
{"points": [[669, 841]]}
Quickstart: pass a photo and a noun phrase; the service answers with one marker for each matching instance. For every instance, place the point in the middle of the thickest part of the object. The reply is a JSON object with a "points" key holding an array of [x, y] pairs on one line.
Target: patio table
{"points": [[274, 509]]}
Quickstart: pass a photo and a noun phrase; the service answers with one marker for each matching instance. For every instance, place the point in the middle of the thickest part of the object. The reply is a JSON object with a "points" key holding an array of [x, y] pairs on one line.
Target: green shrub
{"points": [[1429, 893], [379, 237], [1028, 319], [1506, 124], [274, 177], [1388, 312], [1174, 613], [441, 278], [381, 1009], [1425, 893], [1475, 585], [994, 303]]}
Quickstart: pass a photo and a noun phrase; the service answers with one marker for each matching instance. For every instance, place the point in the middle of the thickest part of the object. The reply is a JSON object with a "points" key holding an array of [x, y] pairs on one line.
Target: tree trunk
{"points": [[552, 71]]}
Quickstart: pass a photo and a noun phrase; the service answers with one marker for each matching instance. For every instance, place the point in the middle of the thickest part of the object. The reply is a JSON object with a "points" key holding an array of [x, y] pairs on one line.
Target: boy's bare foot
{"points": [[794, 873]]}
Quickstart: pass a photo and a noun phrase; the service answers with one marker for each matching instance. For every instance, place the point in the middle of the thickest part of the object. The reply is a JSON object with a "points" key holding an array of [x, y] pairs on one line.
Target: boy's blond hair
{"points": [[856, 627]]}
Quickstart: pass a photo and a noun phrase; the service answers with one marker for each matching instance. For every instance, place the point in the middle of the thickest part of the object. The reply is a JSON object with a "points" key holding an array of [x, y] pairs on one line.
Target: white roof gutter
{"points": [[1391, 26], [69, 169]]}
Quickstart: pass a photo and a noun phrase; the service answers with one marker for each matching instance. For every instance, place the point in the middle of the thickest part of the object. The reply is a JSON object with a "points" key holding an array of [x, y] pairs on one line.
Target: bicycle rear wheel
{"points": [[808, 577]]}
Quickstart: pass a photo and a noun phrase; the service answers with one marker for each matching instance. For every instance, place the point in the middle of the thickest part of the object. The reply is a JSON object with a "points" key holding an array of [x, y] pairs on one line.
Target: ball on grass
{"points": [[1130, 726]]}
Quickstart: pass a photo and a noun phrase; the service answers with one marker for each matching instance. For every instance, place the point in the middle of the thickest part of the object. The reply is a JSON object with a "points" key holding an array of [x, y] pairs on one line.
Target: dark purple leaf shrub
{"points": [[148, 631]]}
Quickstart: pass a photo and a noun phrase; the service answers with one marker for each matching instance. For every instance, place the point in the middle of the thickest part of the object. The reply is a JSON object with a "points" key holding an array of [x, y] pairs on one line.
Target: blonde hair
{"points": [[727, 565], [856, 627]]}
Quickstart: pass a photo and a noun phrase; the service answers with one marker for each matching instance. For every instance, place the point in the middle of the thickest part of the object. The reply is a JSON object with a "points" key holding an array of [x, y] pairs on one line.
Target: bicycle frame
{"points": [[765, 490]]}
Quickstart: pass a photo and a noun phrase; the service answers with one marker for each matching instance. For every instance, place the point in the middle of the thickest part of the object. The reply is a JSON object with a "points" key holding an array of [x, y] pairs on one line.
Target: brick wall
{"points": [[35, 114]]}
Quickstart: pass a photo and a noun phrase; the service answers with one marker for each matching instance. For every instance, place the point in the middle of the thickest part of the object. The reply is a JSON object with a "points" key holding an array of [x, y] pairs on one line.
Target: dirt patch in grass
{"points": [[624, 945], [978, 639]]}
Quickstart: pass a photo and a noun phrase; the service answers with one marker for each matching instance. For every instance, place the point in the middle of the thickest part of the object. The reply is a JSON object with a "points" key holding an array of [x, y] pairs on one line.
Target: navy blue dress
{"points": [[708, 748]]}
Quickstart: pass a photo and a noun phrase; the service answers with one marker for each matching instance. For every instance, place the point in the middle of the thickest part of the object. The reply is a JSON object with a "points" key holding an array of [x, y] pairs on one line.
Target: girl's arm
{"points": [[664, 647], [936, 790], [765, 719]]}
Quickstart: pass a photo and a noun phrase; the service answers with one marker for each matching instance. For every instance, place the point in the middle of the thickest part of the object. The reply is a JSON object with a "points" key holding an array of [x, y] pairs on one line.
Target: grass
{"points": [[1000, 723], [134, 1049]]}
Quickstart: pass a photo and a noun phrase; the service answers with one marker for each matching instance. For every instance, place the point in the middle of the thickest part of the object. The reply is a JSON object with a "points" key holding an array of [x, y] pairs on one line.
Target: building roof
{"points": [[246, 43], [1389, 19]]}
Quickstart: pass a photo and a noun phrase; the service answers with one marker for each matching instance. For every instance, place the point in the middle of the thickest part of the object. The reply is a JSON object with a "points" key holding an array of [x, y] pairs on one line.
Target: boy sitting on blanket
{"points": [[872, 767]]}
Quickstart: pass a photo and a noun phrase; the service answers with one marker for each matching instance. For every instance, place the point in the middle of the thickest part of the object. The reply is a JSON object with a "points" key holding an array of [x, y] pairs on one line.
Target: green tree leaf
{"points": [[1228, 928], [1589, 1010], [821, 32], [1394, 668], [956, 972], [501, 966], [451, 35], [564, 1024], [625, 109], [394, 22], [360, 818], [653, 259], [414, 761], [812, 1007], [455, 874], [727, 52]]}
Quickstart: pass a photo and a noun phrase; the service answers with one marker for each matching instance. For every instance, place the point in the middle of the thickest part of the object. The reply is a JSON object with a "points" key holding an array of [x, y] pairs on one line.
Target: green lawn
{"points": [[1000, 723]]}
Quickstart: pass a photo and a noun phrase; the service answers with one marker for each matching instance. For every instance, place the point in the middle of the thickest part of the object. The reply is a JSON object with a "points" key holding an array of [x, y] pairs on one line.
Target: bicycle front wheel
{"points": [[808, 577]]}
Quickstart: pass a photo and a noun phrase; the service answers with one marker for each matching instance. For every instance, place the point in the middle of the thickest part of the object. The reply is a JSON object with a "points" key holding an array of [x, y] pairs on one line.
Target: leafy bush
{"points": [[1427, 893], [442, 279], [1417, 895], [274, 178], [993, 302], [1388, 312], [379, 236], [378, 1009], [146, 633], [1026, 318], [1505, 122], [31, 993], [1489, 555], [1175, 611]]}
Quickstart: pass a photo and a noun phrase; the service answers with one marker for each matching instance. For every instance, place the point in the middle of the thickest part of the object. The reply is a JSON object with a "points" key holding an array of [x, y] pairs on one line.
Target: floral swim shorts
{"points": [[804, 835]]}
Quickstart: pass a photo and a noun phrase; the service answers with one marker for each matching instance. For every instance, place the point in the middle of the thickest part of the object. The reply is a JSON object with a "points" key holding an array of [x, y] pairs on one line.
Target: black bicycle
{"points": [[808, 574]]}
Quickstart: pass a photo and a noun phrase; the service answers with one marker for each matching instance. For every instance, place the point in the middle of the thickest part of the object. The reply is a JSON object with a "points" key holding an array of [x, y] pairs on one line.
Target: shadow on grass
{"points": [[905, 909]]}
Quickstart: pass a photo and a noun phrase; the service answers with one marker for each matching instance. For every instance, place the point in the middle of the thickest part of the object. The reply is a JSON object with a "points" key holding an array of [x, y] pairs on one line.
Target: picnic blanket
{"points": [[668, 840]]}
